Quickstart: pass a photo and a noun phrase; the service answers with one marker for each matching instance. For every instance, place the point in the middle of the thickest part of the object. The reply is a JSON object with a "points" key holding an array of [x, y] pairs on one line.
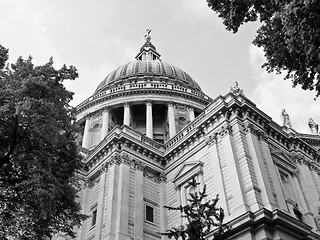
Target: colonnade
{"points": [[127, 119]]}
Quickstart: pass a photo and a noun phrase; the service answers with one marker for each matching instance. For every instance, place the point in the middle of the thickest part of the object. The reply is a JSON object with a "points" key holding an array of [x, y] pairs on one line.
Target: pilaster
{"points": [[256, 140], [112, 204], [101, 202], [236, 201], [138, 201], [122, 222], [308, 187], [220, 179], [163, 202]]}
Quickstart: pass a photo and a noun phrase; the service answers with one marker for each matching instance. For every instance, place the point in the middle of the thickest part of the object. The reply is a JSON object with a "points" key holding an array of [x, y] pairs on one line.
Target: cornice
{"points": [[98, 98]]}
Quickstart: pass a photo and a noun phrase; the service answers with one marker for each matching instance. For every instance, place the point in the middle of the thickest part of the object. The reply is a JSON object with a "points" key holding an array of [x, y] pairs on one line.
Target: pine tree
{"points": [[203, 217]]}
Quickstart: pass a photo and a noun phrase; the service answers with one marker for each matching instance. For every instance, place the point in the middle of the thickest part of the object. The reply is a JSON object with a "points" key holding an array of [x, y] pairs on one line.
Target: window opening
{"points": [[149, 214]]}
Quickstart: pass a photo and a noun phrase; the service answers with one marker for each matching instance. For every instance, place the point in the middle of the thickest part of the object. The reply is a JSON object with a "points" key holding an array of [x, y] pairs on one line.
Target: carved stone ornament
{"points": [[151, 176], [125, 159], [104, 167], [298, 158], [212, 139], [162, 177], [138, 165], [262, 135], [224, 130], [115, 159], [88, 183]]}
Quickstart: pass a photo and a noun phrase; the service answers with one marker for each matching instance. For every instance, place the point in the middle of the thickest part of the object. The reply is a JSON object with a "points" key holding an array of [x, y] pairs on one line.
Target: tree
{"points": [[203, 217], [38, 153], [289, 35]]}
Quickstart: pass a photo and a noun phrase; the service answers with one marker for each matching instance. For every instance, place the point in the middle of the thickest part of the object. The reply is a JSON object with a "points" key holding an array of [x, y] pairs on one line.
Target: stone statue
{"points": [[314, 127], [147, 37], [286, 119], [235, 89]]}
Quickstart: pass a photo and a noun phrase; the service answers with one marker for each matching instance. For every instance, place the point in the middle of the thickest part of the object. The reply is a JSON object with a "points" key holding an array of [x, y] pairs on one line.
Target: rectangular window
{"points": [[149, 214], [94, 217]]}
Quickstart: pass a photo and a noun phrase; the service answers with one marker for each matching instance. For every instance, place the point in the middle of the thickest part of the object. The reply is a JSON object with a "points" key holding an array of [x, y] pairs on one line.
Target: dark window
{"points": [[149, 213], [94, 217]]}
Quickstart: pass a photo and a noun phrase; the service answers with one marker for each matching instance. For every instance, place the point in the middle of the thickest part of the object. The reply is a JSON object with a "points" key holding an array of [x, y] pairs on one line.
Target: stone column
{"points": [[86, 132], [101, 204], [171, 120], [126, 114], [138, 202], [122, 223], [105, 123], [191, 114], [149, 120]]}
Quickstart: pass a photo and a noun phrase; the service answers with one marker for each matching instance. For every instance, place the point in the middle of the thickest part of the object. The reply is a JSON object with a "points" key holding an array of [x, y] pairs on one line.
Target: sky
{"points": [[98, 36]]}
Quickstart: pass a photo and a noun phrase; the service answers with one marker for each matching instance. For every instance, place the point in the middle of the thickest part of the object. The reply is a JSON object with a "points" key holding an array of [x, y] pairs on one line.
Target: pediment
{"points": [[283, 160], [187, 171], [280, 154]]}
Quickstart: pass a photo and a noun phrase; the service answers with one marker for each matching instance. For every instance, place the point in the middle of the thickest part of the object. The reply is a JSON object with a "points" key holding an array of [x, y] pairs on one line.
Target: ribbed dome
{"points": [[148, 68]]}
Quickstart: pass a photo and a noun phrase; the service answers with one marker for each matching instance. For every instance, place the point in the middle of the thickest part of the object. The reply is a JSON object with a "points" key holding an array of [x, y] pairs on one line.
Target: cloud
{"points": [[272, 94]]}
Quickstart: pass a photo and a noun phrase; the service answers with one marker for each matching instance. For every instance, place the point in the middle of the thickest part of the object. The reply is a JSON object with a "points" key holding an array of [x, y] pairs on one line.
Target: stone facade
{"points": [[145, 135]]}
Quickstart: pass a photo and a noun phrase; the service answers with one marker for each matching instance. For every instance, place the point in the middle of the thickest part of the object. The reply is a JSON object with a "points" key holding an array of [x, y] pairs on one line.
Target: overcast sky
{"points": [[98, 36]]}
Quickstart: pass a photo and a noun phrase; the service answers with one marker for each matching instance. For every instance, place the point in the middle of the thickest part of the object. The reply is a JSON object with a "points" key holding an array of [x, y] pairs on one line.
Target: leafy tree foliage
{"points": [[289, 34], [202, 217], [38, 153]]}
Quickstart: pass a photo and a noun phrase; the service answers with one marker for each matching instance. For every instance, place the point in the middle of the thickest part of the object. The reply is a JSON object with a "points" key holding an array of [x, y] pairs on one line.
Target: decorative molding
{"points": [[104, 167], [186, 172], [261, 134], [151, 176]]}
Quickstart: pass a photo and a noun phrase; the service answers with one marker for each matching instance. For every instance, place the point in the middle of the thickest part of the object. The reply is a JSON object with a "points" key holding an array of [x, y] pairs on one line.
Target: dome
{"points": [[148, 68]]}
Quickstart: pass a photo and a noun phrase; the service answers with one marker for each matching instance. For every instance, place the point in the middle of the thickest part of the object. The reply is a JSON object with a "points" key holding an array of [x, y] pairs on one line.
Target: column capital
{"points": [[148, 102], [125, 159], [170, 104], [138, 165], [115, 159], [105, 108], [89, 115], [162, 177], [212, 139], [126, 104], [103, 168]]}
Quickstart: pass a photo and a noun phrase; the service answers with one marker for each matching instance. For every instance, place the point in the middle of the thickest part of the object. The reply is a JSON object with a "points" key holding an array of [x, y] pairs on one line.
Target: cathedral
{"points": [[149, 129]]}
